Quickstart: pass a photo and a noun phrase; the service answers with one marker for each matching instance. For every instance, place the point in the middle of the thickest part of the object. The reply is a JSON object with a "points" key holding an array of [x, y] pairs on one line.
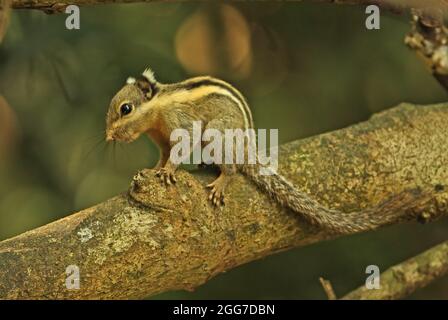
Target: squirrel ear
{"points": [[130, 80], [148, 74], [145, 87]]}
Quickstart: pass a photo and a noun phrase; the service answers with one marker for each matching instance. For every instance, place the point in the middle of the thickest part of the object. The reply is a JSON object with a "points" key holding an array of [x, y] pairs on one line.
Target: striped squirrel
{"points": [[144, 105]]}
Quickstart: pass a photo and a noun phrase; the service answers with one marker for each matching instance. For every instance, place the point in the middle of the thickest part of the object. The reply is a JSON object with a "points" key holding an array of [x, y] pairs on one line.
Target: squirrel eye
{"points": [[126, 108]]}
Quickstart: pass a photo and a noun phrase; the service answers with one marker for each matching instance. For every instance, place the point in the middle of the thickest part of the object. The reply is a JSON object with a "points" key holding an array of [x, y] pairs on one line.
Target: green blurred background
{"points": [[305, 69]]}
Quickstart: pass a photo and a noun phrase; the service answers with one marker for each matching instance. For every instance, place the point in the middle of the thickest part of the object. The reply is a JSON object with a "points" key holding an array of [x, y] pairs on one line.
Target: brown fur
{"points": [[171, 106]]}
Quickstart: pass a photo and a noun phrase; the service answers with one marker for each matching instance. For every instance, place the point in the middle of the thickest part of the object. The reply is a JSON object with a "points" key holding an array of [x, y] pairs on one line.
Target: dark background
{"points": [[305, 69]]}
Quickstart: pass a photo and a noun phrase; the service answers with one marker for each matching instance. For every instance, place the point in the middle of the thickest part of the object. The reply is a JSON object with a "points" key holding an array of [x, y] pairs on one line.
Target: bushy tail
{"points": [[335, 221]]}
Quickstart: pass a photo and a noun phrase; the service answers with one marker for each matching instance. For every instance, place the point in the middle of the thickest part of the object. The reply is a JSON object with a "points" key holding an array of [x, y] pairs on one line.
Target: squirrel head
{"points": [[124, 121]]}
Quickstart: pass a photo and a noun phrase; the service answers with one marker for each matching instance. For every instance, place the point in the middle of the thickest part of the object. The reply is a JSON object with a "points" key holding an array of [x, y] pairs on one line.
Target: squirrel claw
{"points": [[166, 176], [216, 195]]}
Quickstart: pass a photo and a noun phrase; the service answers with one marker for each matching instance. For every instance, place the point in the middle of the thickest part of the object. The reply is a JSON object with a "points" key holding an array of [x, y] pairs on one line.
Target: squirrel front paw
{"points": [[166, 175]]}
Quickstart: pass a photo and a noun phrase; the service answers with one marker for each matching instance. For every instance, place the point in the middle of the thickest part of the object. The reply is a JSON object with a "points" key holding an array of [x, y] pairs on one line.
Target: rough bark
{"points": [[403, 279], [155, 239]]}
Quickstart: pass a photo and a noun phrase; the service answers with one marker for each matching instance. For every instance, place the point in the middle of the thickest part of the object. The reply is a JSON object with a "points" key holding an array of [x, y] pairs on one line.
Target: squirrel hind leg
{"points": [[216, 195], [218, 186]]}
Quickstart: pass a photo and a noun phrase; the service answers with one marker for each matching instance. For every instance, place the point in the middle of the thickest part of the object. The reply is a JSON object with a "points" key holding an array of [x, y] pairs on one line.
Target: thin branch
{"points": [[5, 9], [429, 38], [328, 288], [156, 239], [405, 278]]}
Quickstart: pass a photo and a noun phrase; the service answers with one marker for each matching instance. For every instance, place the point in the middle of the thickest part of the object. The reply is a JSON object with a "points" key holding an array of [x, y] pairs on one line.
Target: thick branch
{"points": [[157, 239], [403, 279]]}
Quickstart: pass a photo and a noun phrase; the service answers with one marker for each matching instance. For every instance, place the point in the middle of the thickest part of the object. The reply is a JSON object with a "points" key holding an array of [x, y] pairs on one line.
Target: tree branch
{"points": [[328, 288], [5, 8], [429, 38], [155, 239], [403, 279]]}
